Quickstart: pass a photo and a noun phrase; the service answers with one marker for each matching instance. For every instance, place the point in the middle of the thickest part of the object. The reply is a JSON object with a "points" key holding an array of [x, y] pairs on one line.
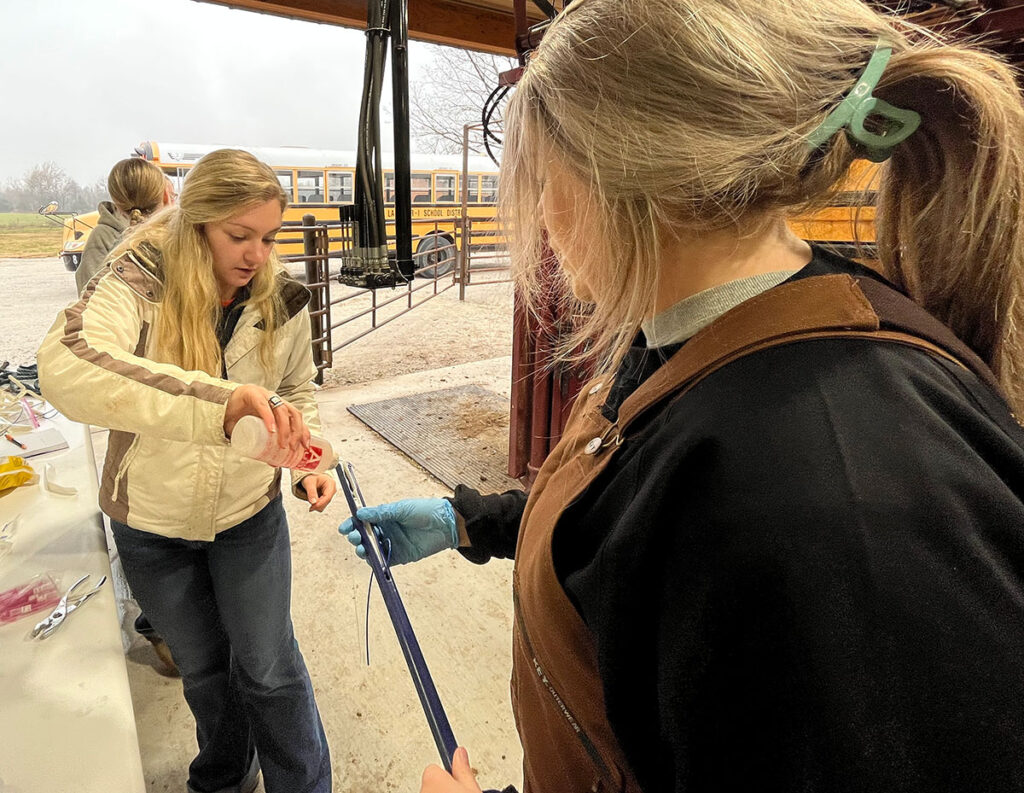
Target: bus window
{"points": [[420, 187], [474, 189], [311, 186], [420, 184], [488, 189], [444, 188], [339, 187], [285, 178]]}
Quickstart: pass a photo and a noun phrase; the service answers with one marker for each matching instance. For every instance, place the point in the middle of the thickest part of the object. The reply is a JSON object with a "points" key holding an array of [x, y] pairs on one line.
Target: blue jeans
{"points": [[224, 609]]}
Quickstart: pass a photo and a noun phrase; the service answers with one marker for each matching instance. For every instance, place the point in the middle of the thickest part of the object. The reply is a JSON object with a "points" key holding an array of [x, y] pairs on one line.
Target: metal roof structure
{"points": [[486, 25], [492, 25]]}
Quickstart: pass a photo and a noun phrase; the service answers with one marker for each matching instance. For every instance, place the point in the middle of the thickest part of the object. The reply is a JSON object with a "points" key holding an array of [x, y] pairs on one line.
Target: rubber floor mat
{"points": [[460, 435]]}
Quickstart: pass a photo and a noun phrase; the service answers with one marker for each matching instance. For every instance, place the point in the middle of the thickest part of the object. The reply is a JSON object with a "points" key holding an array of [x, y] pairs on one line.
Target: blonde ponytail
{"points": [[136, 187], [950, 222]]}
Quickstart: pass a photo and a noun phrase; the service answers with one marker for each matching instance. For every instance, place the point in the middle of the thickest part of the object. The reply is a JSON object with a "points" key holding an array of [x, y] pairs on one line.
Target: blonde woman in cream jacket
{"points": [[195, 326]]}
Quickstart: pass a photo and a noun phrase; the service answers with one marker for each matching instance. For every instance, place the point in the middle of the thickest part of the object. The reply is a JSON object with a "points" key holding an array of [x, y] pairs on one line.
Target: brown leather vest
{"points": [[557, 693]]}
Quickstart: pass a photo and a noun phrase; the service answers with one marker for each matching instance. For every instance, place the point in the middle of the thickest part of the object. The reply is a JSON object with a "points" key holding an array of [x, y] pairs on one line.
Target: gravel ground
{"points": [[441, 332], [34, 291]]}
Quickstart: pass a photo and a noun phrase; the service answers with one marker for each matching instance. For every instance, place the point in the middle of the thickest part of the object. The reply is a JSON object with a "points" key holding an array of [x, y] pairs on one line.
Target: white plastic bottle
{"points": [[250, 438]]}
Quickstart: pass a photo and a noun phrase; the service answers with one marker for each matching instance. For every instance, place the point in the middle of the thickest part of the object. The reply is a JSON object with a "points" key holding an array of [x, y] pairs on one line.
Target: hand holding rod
{"points": [[431, 702]]}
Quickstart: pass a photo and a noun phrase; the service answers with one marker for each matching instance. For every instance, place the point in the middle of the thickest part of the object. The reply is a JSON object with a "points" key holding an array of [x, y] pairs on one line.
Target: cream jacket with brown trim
{"points": [[169, 468]]}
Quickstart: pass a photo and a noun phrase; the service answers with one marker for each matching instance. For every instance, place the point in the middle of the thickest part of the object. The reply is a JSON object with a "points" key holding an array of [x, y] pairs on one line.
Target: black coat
{"points": [[807, 574]]}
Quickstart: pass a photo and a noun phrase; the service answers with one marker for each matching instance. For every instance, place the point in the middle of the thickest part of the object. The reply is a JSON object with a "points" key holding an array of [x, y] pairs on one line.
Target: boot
{"points": [[247, 784], [163, 652]]}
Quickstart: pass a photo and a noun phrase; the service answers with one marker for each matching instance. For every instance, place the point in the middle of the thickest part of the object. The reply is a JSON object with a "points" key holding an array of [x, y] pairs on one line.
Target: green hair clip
{"points": [[858, 105]]}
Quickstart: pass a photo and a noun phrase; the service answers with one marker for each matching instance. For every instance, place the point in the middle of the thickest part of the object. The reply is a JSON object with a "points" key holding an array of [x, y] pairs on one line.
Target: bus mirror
{"points": [[49, 209]]}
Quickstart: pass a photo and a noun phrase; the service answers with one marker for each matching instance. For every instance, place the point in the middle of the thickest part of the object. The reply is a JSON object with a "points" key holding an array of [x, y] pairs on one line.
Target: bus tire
{"points": [[436, 255]]}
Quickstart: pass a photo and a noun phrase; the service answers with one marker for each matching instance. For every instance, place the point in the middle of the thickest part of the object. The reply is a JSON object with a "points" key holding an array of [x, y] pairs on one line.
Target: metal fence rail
{"points": [[324, 243]]}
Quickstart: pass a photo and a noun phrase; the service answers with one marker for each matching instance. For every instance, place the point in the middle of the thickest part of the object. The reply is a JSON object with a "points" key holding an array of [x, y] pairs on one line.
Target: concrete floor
{"points": [[462, 615]]}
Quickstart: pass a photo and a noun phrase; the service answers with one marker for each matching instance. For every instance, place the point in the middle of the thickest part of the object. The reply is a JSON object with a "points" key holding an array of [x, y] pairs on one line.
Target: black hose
{"points": [[488, 110], [546, 7], [400, 98], [369, 170]]}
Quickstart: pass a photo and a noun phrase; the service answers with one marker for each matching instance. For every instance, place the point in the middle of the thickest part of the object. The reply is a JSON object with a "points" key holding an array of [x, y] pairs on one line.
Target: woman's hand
{"points": [[415, 527], [281, 418], [461, 780], [320, 489]]}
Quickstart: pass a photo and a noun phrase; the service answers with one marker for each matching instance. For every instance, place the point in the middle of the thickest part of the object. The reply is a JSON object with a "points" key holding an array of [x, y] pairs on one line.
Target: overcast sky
{"points": [[82, 82]]}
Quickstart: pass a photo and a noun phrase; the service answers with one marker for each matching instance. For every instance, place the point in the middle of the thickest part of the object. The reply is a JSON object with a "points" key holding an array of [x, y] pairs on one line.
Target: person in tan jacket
{"points": [[195, 325]]}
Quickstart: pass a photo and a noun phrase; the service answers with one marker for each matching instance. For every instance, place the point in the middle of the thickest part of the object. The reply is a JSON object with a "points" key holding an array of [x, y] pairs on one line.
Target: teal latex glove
{"points": [[416, 528]]}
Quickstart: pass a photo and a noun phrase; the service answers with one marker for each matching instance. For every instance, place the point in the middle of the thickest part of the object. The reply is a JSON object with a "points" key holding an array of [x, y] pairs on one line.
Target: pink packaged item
{"points": [[37, 594]]}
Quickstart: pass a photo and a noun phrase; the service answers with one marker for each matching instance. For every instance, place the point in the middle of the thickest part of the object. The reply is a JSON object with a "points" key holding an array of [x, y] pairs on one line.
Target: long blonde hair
{"points": [[693, 115], [136, 188], [223, 184]]}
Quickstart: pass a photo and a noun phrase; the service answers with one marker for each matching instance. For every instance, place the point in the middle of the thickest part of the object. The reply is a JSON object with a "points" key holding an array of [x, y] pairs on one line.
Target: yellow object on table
{"points": [[14, 472]]}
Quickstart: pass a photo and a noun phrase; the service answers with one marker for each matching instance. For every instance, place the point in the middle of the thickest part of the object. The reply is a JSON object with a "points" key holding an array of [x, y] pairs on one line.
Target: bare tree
{"points": [[48, 182], [92, 194], [451, 93], [14, 196]]}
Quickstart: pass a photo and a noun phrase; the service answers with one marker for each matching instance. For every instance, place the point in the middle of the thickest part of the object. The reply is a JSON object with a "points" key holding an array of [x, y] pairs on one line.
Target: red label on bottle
{"points": [[311, 458]]}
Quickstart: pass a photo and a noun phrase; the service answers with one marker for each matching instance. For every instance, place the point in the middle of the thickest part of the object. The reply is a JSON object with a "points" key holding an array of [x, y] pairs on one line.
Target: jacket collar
{"points": [[141, 269], [249, 331], [294, 296], [110, 216]]}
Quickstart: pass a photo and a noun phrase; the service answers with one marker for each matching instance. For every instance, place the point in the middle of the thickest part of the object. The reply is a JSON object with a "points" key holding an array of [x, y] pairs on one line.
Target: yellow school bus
{"points": [[848, 223], [318, 181], [76, 232]]}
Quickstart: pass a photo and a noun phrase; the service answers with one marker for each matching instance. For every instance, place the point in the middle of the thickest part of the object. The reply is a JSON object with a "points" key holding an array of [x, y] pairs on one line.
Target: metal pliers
{"points": [[66, 606]]}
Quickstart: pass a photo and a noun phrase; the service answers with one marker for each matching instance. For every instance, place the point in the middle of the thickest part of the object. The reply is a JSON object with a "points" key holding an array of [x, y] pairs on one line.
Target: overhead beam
{"points": [[437, 21]]}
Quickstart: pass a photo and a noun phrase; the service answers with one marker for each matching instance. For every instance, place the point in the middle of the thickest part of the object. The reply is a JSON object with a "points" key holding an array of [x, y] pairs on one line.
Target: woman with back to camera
{"points": [[780, 545], [194, 326], [137, 189]]}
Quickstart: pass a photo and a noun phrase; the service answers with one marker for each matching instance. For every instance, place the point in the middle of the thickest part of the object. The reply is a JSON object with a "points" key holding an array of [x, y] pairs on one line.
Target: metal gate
{"points": [[341, 315]]}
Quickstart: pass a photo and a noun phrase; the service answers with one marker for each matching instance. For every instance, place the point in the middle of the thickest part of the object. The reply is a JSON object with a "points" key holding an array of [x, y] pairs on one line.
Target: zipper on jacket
{"points": [[122, 469], [588, 745]]}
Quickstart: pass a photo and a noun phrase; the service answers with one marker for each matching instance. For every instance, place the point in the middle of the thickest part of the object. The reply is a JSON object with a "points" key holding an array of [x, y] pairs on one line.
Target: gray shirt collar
{"points": [[679, 322]]}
